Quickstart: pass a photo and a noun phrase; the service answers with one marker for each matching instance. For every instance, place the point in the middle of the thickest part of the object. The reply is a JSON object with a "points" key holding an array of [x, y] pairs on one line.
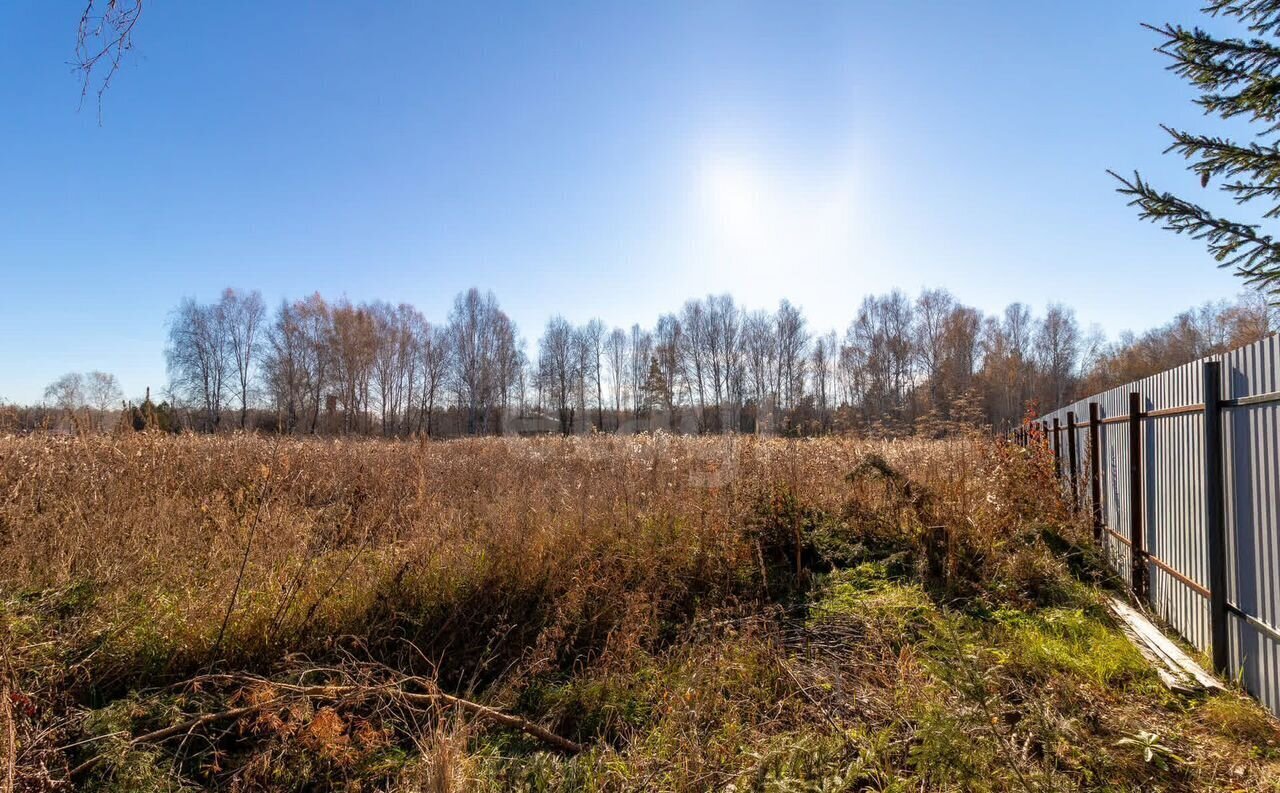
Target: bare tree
{"points": [[880, 342], [1251, 318], [390, 351], [510, 364], [67, 393], [284, 367], [851, 369], [558, 366], [433, 349], [593, 346], [1008, 369], [821, 363], [1208, 329], [761, 359], [641, 358], [665, 389], [242, 315], [102, 393], [792, 341], [354, 350], [724, 325], [932, 312], [961, 349], [693, 354], [616, 353], [295, 366], [198, 358], [1057, 345], [486, 357], [411, 326]]}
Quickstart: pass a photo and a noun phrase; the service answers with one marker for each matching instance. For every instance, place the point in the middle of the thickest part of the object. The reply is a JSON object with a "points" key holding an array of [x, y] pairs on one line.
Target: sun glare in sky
{"points": [[759, 213]]}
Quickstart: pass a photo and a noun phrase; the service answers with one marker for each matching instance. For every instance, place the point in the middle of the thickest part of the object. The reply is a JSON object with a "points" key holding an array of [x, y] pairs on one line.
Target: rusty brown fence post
{"points": [[1072, 473], [1057, 451], [1095, 469], [1215, 518], [1137, 544]]}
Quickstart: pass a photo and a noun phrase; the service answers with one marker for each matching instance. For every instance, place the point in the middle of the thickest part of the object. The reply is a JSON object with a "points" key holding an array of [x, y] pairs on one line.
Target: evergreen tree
{"points": [[1235, 77], [657, 395]]}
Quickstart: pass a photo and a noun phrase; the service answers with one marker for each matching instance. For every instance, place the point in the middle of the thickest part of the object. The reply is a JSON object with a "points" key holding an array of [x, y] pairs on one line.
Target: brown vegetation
{"points": [[271, 614]]}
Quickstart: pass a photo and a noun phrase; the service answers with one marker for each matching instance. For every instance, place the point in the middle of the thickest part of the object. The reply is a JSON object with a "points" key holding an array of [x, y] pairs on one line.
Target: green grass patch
{"points": [[1073, 641], [870, 595]]}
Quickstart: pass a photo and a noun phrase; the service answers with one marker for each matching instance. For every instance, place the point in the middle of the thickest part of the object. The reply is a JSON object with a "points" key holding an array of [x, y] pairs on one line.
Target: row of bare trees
{"points": [[213, 351], [705, 368], [902, 364], [715, 366], [83, 400], [1205, 330], [340, 367]]}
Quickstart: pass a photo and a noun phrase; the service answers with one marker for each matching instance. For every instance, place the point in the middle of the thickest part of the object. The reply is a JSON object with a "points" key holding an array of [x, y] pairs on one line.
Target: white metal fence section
{"points": [[1189, 514]]}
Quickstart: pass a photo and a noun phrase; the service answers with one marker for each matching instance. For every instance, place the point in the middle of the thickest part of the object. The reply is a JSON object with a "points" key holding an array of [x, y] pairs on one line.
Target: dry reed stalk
{"points": [[11, 736]]}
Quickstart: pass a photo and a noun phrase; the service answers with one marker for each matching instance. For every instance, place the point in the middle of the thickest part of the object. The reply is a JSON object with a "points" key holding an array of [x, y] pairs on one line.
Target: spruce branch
{"points": [[1219, 157], [1235, 76], [1255, 256], [1216, 63], [1261, 16]]}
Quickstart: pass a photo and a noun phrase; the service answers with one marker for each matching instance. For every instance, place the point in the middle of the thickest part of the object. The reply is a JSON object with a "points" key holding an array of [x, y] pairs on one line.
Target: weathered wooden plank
{"points": [[1163, 653]]}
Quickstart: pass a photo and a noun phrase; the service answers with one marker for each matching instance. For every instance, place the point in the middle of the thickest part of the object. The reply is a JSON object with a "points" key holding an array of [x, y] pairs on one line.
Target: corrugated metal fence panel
{"points": [[1252, 471], [1173, 500]]}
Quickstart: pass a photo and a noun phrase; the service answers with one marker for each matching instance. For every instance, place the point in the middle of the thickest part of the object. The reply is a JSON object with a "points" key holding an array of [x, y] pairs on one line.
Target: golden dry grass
{"points": [[697, 612]]}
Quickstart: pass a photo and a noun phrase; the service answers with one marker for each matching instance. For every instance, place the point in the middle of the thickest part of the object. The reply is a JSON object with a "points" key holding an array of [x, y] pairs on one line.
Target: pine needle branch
{"points": [[1255, 256], [1219, 157]]}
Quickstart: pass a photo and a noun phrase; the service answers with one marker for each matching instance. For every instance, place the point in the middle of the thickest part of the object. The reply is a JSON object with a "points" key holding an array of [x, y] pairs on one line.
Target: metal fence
{"points": [[1181, 471]]}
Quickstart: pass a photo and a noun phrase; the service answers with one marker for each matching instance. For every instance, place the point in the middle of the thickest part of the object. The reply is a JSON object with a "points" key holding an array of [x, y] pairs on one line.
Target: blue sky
{"points": [[602, 160]]}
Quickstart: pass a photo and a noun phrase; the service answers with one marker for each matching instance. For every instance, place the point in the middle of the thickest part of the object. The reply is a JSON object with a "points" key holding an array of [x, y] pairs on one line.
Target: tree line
{"points": [[925, 364], [902, 365]]}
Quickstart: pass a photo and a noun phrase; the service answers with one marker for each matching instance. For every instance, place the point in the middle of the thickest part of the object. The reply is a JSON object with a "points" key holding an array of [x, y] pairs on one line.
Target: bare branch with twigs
{"points": [[429, 694], [104, 35]]}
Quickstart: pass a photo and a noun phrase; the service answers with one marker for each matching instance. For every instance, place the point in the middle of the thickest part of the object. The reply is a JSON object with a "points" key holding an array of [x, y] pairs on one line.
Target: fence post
{"points": [[1215, 519], [1057, 452], [1095, 469], [1071, 460], [1137, 545], [935, 554]]}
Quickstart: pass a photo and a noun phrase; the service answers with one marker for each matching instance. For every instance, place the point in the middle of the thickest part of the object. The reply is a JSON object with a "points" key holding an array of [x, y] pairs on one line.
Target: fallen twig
{"points": [[435, 697], [168, 732], [505, 719], [394, 689]]}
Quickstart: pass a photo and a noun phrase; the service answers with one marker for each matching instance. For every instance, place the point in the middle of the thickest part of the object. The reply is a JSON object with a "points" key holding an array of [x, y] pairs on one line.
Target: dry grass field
{"points": [[640, 613]]}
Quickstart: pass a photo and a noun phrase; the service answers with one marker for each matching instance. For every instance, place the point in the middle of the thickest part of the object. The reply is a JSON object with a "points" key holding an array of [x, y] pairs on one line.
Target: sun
{"points": [[735, 202], [759, 214]]}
